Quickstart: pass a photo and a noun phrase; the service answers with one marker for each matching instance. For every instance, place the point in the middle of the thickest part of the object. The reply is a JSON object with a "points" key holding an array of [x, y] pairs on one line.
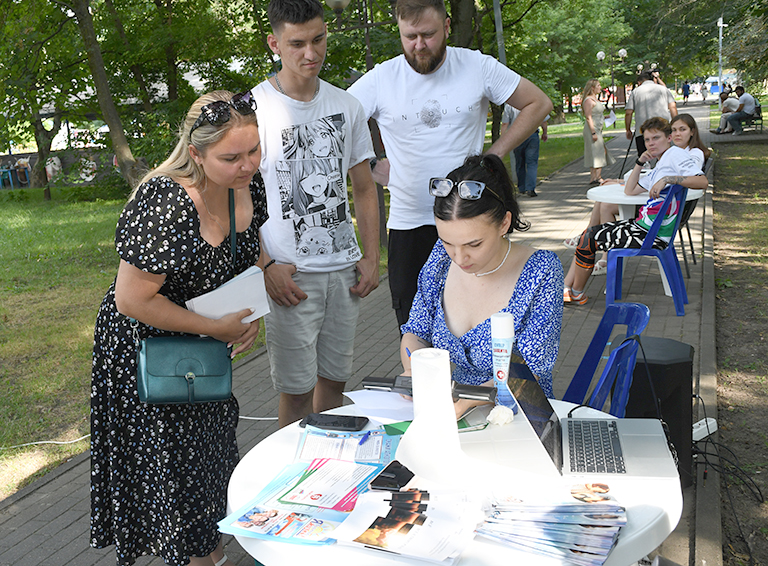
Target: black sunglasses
{"points": [[468, 190], [217, 113]]}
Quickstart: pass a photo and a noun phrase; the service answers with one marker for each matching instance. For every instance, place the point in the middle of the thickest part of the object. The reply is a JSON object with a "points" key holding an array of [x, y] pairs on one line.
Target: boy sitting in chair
{"points": [[675, 166]]}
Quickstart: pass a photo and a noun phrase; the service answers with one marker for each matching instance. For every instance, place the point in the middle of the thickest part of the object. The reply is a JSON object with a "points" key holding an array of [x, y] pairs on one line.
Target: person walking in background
{"points": [[596, 155], [728, 105], [647, 100], [746, 109], [431, 104], [686, 92], [314, 270], [159, 473], [526, 155]]}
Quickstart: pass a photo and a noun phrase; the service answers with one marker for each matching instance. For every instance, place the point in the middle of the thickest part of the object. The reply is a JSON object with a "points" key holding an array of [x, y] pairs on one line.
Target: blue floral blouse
{"points": [[536, 305]]}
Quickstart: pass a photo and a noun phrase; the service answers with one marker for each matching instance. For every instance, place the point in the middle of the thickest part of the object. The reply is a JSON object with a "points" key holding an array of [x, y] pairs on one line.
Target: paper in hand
{"points": [[246, 291]]}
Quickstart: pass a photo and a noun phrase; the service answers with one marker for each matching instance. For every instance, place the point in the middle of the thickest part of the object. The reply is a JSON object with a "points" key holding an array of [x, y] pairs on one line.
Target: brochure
{"points": [[265, 517], [245, 291], [371, 446], [581, 527], [330, 484], [430, 526]]}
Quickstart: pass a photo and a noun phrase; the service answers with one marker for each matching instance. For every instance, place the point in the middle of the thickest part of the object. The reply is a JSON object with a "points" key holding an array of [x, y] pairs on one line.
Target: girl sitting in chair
{"points": [[675, 166]]}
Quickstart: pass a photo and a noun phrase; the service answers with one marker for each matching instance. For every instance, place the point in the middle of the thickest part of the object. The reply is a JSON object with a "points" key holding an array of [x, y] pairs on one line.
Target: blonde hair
{"points": [[179, 165], [589, 87]]}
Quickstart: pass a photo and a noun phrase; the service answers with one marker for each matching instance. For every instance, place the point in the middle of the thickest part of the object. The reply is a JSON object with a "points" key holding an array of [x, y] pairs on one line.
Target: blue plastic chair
{"points": [[667, 257], [617, 374]]}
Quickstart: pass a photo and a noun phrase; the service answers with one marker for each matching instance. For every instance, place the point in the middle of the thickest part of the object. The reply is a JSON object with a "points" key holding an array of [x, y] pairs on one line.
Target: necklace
{"points": [[317, 86], [223, 231], [509, 248]]}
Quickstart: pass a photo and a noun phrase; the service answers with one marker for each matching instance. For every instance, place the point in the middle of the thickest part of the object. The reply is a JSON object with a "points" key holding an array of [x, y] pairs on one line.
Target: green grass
{"points": [[57, 261]]}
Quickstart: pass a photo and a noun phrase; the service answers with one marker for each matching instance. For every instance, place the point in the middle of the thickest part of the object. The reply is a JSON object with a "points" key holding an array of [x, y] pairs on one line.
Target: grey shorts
{"points": [[315, 337]]}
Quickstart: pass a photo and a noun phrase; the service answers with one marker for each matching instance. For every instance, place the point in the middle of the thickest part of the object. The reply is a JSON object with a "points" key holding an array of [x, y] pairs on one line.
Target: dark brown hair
{"points": [[488, 169]]}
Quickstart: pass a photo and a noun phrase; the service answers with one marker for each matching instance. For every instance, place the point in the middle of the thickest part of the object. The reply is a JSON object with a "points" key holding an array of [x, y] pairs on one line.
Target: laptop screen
{"points": [[537, 409]]}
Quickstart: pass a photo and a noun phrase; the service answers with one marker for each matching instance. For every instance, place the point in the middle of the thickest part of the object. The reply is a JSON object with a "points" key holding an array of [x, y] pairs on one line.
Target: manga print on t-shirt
{"points": [[312, 188]]}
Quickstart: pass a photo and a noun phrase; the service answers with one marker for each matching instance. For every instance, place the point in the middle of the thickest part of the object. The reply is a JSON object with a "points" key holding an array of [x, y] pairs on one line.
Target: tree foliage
{"points": [[44, 74]]}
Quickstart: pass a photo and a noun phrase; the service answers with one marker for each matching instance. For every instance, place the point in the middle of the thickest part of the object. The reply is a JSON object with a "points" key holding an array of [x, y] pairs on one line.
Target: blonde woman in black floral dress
{"points": [[160, 472]]}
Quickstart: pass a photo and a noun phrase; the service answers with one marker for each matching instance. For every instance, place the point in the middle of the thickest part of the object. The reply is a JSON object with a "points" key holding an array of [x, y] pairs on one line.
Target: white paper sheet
{"points": [[382, 405], [246, 291]]}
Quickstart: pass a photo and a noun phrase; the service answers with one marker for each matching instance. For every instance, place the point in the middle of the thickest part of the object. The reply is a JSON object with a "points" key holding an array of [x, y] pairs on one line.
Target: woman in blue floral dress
{"points": [[476, 270], [160, 472]]}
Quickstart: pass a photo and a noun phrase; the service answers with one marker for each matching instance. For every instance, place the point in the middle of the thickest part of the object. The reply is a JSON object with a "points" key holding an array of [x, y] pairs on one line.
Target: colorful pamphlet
{"points": [[581, 529]]}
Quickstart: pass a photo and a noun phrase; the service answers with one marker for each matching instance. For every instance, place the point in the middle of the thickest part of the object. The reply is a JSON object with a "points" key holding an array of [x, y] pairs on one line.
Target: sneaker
{"points": [[578, 298], [567, 295], [737, 133], [532, 194]]}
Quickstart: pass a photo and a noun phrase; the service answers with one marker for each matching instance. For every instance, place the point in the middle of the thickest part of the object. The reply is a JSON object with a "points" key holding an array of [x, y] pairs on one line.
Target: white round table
{"points": [[654, 505], [614, 194]]}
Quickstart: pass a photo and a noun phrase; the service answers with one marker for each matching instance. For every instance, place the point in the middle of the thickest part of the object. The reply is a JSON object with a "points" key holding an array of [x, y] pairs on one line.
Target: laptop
{"points": [[635, 447]]}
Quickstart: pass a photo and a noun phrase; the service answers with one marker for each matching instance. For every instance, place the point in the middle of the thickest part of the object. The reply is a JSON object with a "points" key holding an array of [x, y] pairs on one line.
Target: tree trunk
{"points": [[44, 140], [136, 70], [171, 66], [128, 166], [463, 13]]}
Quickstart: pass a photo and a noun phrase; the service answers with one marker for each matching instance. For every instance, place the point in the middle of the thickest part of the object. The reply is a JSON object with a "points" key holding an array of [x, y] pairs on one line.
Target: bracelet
{"points": [[268, 264], [640, 163]]}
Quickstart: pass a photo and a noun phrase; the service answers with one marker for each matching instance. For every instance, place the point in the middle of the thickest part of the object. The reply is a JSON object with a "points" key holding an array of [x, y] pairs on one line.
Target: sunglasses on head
{"points": [[218, 112], [468, 190]]}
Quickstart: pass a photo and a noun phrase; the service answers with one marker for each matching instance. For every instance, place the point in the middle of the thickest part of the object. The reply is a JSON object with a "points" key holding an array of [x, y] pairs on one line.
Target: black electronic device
{"points": [[404, 385], [343, 423], [392, 478], [670, 364]]}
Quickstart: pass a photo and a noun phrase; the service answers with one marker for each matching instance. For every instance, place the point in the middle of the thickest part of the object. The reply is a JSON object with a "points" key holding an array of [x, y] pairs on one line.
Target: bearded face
{"points": [[424, 40]]}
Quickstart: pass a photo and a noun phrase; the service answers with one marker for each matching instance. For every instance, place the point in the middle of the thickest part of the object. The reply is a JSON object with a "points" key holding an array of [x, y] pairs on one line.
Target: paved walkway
{"points": [[47, 522]]}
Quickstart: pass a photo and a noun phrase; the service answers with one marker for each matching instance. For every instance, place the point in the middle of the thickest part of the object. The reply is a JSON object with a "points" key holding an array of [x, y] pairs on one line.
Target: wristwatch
{"points": [[640, 163]]}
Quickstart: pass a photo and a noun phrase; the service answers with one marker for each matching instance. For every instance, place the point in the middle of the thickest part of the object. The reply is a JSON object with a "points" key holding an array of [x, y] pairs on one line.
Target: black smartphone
{"points": [[343, 423], [392, 478]]}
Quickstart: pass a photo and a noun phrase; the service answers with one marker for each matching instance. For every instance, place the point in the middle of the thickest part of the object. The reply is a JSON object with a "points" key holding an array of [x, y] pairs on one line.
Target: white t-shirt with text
{"points": [[430, 123]]}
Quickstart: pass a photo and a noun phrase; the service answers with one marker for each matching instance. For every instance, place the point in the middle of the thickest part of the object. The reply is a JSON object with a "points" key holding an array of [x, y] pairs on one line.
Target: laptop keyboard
{"points": [[594, 447]]}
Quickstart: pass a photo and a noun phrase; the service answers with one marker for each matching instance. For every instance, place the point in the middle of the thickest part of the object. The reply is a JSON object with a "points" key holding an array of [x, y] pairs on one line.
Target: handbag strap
{"points": [[232, 228]]}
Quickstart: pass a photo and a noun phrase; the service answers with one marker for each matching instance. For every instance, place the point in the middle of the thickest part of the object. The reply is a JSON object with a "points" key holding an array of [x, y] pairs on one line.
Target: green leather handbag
{"points": [[183, 369]]}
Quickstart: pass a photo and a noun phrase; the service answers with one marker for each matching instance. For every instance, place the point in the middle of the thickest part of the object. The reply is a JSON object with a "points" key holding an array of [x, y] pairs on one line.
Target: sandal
{"points": [[601, 267], [571, 243]]}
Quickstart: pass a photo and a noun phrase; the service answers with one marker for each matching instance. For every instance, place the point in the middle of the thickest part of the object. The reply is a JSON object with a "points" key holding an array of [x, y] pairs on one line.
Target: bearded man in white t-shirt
{"points": [[431, 105]]}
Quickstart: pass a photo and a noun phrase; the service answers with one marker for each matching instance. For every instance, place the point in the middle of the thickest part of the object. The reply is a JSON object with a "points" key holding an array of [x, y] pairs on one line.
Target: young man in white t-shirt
{"points": [[312, 135], [675, 166], [431, 105], [746, 109]]}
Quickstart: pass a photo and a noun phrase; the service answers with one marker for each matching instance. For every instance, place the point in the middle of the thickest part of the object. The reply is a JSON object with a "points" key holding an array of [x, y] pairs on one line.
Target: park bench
{"points": [[755, 120]]}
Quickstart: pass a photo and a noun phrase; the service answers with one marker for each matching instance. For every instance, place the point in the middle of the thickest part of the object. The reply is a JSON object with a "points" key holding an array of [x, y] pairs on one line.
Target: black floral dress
{"points": [[159, 473]]}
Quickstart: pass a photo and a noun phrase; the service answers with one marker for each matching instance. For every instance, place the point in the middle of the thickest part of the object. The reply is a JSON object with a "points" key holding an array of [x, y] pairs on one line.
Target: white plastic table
{"points": [[614, 194], [654, 505]]}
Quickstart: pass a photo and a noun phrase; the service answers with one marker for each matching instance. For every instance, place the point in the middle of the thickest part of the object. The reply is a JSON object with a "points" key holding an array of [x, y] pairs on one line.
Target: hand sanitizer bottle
{"points": [[502, 340]]}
